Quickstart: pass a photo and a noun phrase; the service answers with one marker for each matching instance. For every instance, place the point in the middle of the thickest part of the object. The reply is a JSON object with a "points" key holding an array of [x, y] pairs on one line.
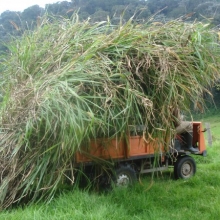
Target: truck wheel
{"points": [[184, 168], [125, 176]]}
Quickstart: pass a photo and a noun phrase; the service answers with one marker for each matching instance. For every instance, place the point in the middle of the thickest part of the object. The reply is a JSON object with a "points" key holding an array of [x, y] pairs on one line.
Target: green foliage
{"points": [[69, 82]]}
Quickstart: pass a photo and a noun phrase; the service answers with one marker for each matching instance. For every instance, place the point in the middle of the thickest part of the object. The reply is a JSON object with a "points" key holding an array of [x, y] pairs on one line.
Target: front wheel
{"points": [[125, 176], [184, 168]]}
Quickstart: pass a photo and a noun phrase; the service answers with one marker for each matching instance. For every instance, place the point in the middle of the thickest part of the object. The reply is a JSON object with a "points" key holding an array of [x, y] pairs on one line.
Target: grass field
{"points": [[164, 198]]}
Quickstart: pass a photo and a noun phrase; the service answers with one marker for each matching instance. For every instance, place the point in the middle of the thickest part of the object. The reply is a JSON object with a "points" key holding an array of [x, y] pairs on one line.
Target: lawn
{"points": [[163, 198]]}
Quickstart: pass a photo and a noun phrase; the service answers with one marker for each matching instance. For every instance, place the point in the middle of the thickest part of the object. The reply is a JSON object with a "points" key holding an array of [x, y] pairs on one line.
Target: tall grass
{"points": [[69, 82]]}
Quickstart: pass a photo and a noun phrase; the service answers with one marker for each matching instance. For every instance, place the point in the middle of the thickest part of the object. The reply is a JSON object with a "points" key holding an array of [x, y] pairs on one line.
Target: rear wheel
{"points": [[125, 176], [184, 168]]}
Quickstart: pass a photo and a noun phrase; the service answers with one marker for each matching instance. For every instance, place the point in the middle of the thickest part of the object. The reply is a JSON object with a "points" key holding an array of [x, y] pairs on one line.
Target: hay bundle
{"points": [[70, 81]]}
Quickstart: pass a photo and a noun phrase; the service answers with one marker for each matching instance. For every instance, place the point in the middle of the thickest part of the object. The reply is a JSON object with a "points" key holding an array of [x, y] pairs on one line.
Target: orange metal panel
{"points": [[198, 136], [102, 148], [137, 146], [155, 147]]}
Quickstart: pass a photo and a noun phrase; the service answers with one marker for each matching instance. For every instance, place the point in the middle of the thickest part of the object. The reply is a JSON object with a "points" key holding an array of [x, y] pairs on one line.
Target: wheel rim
{"points": [[123, 180], [187, 169]]}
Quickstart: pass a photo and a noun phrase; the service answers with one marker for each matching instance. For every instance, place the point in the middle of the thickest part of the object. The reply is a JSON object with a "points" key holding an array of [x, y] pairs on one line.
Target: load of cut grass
{"points": [[69, 82]]}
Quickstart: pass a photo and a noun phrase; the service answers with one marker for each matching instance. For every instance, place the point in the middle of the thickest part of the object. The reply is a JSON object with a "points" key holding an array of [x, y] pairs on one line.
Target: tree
{"points": [[99, 15], [59, 8], [29, 16], [10, 21]]}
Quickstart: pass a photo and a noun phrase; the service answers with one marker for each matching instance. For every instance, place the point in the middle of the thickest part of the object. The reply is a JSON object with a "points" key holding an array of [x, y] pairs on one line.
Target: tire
{"points": [[184, 168], [125, 176]]}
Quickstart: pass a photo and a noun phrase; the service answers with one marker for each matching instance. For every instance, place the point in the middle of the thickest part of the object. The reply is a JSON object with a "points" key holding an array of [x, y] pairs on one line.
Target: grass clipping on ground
{"points": [[68, 82]]}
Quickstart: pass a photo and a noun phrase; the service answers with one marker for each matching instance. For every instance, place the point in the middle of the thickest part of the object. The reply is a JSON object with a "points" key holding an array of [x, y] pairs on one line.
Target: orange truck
{"points": [[129, 157]]}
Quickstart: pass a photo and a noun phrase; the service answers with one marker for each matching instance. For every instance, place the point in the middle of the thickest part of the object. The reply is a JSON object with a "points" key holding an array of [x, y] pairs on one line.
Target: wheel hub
{"points": [[186, 169], [123, 180]]}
